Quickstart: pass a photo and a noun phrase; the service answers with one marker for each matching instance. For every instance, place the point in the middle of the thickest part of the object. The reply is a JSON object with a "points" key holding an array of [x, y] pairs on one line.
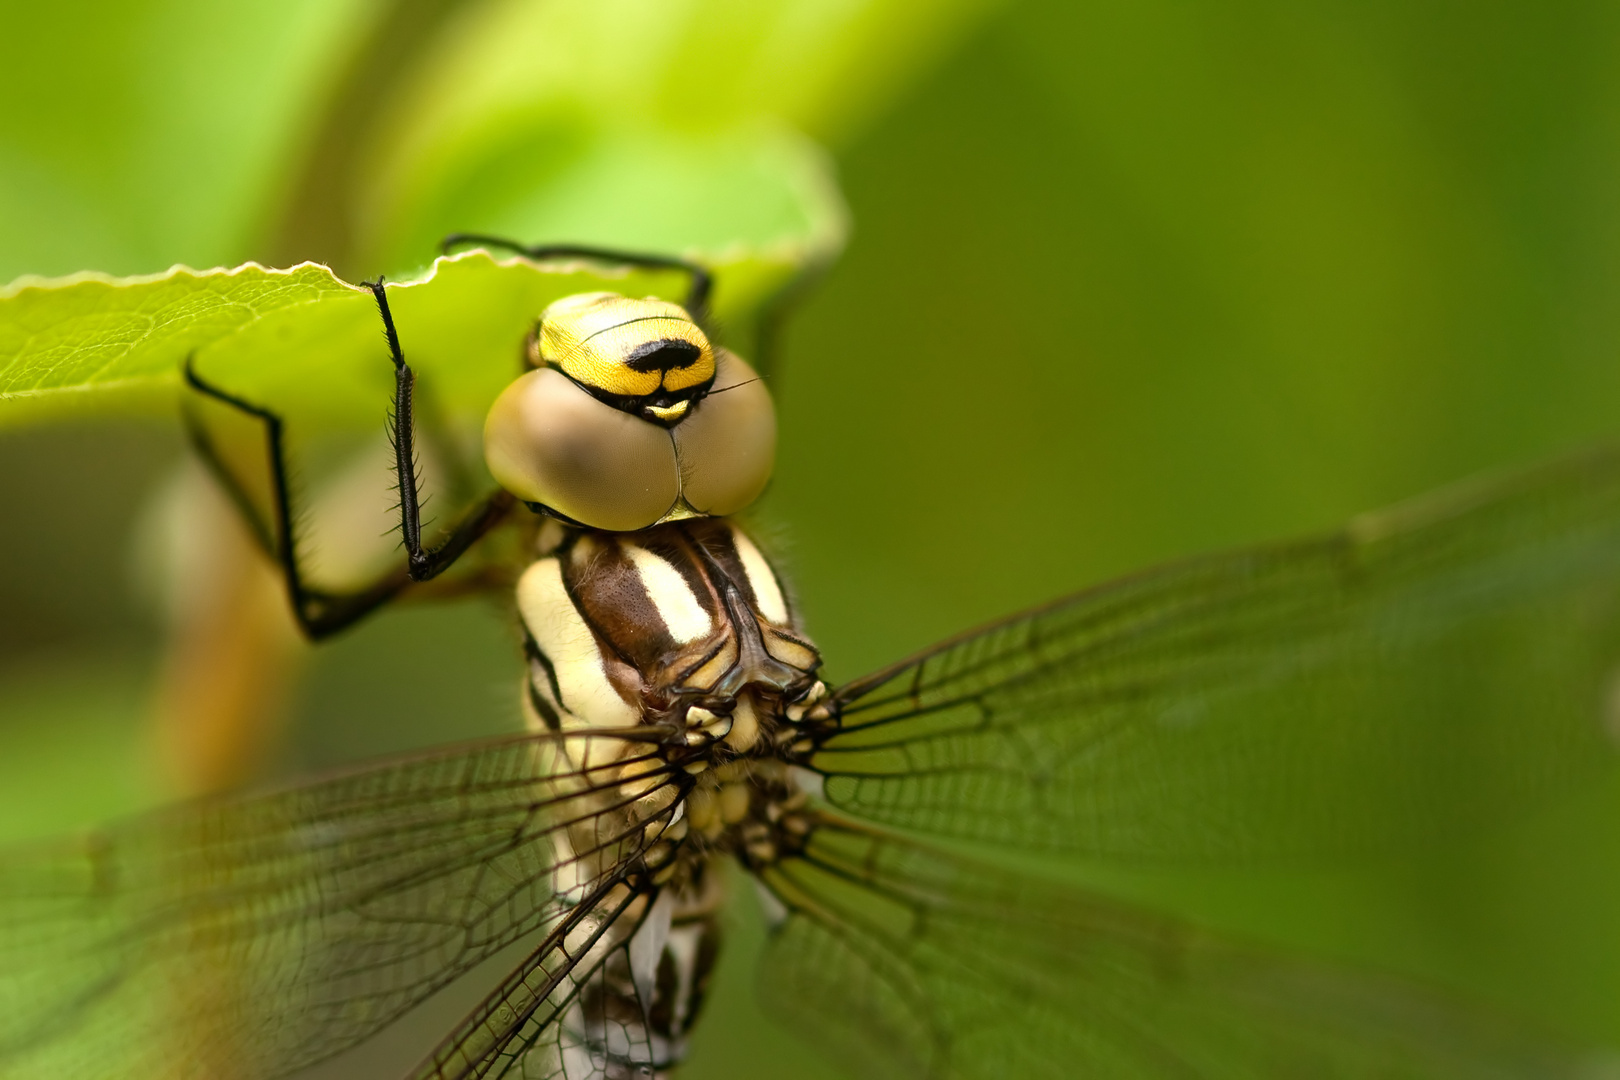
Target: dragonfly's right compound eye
{"points": [[631, 418]]}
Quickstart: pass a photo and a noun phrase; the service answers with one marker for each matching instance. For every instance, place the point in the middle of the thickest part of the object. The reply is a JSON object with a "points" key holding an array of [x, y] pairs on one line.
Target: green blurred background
{"points": [[1125, 282]]}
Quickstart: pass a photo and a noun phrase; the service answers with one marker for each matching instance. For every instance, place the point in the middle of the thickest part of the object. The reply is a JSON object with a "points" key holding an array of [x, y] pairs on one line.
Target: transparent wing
{"points": [[902, 960], [274, 931], [1425, 669]]}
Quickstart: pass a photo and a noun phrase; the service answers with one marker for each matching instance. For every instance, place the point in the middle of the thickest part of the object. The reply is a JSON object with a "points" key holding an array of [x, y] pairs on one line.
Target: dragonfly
{"points": [[1421, 672]]}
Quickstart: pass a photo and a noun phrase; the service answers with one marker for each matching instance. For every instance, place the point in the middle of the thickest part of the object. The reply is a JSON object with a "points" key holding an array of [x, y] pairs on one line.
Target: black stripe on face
{"points": [[664, 354]]}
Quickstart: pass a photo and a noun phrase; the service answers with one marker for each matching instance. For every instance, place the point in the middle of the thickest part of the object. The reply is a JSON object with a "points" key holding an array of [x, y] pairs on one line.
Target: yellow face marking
{"points": [[670, 413], [625, 347]]}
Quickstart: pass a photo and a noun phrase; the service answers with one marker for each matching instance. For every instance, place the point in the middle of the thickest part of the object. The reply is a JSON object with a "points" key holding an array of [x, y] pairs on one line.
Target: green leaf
{"points": [[324, 364], [91, 341], [307, 343]]}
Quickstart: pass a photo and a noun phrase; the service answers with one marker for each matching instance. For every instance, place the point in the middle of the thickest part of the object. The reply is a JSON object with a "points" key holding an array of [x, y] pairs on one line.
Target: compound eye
{"points": [[643, 356], [548, 441], [727, 446]]}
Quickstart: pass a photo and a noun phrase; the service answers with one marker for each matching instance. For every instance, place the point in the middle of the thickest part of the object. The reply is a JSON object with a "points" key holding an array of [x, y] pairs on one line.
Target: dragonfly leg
{"points": [[319, 613], [424, 563], [697, 295]]}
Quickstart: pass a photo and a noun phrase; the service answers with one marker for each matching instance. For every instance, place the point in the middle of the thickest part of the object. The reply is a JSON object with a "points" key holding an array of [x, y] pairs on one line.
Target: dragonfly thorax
{"points": [[685, 625]]}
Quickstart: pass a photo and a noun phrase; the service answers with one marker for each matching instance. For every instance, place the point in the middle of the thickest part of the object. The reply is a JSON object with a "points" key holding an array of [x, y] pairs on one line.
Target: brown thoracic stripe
{"points": [[615, 603], [610, 596]]}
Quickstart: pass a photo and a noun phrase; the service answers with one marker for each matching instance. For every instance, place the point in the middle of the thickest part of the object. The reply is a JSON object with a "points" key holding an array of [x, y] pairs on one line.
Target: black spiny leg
{"points": [[697, 294], [424, 563], [321, 613]]}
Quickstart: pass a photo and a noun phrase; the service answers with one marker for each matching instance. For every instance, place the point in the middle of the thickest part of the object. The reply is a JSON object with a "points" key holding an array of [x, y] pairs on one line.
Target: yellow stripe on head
{"points": [[623, 347]]}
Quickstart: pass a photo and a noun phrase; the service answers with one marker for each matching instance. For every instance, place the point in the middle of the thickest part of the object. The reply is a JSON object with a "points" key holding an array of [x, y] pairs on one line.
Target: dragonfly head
{"points": [[643, 356], [629, 417]]}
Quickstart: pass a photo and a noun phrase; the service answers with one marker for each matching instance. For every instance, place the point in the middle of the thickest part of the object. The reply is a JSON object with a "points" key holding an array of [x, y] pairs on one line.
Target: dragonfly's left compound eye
{"points": [[631, 418]]}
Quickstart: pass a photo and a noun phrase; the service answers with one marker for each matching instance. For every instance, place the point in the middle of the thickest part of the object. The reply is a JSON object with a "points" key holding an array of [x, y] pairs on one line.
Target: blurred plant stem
{"points": [[316, 222], [233, 651]]}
